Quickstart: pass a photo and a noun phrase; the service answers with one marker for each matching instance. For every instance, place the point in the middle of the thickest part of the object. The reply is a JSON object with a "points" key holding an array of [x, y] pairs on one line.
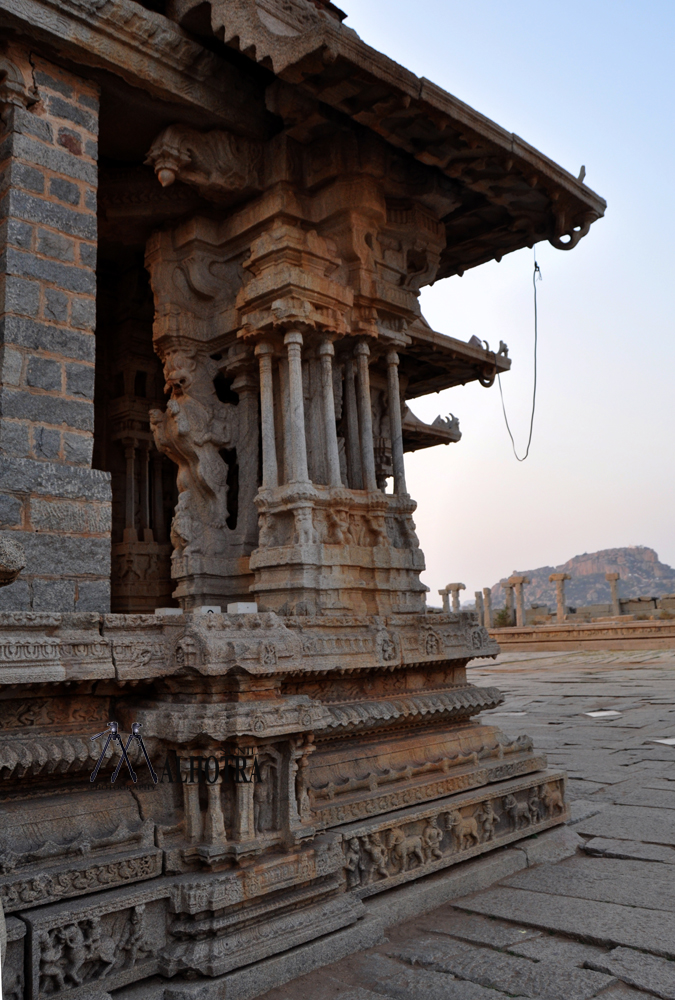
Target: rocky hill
{"points": [[641, 575]]}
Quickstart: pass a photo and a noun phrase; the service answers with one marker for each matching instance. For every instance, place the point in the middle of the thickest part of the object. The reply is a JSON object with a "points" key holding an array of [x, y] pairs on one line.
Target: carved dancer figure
{"points": [[464, 828], [432, 838], [373, 846], [76, 952], [353, 863], [193, 429], [518, 811], [488, 817], [51, 951]]}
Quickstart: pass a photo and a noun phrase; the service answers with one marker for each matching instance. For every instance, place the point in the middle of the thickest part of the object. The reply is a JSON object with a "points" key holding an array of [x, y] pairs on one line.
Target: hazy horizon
{"points": [[585, 84]]}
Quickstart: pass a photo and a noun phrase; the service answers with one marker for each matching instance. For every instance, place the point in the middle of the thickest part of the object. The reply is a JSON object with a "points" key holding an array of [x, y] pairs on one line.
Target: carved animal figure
{"points": [[518, 811], [403, 848], [464, 828], [101, 948], [553, 800]]}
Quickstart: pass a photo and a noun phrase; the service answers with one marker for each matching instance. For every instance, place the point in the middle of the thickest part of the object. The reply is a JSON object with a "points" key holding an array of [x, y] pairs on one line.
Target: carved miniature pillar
{"points": [[264, 354], [362, 352], [508, 601], [144, 457], [326, 353], [612, 581], [215, 820], [454, 589], [445, 594], [299, 473], [480, 610], [487, 607], [246, 387], [285, 418], [243, 826], [559, 580], [395, 424], [130, 533], [517, 582], [158, 528], [192, 810], [352, 414]]}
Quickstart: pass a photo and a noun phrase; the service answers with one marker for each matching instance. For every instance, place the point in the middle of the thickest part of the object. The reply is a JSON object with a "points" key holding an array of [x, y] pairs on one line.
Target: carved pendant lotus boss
{"points": [[264, 220]]}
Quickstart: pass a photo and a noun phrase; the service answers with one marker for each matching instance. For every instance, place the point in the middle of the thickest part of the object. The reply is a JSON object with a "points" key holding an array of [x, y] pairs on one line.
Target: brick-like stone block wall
{"points": [[48, 186]]}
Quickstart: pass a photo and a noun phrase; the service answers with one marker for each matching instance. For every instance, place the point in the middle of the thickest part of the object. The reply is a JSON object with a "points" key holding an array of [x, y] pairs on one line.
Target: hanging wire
{"points": [[536, 275]]}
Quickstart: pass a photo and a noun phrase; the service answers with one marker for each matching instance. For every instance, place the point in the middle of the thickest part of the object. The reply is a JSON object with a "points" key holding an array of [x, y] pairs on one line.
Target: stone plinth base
{"points": [[619, 633]]}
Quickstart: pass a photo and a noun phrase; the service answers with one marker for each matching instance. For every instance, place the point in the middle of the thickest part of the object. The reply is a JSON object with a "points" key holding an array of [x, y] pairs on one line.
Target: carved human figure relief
{"points": [[192, 430]]}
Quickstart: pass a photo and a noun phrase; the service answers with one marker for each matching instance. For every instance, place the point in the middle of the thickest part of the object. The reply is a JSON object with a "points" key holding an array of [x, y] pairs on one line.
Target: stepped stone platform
{"points": [[618, 634]]}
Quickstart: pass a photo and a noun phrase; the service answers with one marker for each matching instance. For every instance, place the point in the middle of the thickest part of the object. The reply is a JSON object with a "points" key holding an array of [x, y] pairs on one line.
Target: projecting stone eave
{"points": [[512, 195]]}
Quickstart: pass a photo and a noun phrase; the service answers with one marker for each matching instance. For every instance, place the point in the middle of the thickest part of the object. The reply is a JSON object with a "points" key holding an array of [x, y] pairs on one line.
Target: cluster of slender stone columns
{"points": [[358, 414], [137, 455]]}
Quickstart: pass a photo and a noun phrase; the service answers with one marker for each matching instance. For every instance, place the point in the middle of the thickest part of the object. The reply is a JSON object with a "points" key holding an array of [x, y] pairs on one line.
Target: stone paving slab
{"points": [[546, 947], [603, 847], [479, 930], [653, 826], [511, 974], [402, 982], [600, 923], [608, 880], [637, 969]]}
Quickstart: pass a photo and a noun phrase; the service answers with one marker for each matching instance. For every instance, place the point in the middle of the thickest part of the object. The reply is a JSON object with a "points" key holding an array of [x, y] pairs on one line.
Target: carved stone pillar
{"points": [[270, 479], [299, 473], [326, 353], [480, 610], [243, 827], [454, 589], [352, 419], [285, 398], [517, 582], [158, 526], [508, 602], [144, 482], [612, 579], [395, 428], [445, 595], [487, 607], [246, 387], [214, 832], [362, 352], [192, 810], [559, 580], [130, 533]]}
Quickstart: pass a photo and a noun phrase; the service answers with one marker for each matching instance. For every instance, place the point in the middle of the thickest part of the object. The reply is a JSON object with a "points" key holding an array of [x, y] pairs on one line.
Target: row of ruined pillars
{"points": [[143, 478], [290, 463]]}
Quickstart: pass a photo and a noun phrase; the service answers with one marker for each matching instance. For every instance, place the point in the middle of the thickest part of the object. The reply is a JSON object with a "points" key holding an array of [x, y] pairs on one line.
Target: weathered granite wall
{"points": [[58, 506]]}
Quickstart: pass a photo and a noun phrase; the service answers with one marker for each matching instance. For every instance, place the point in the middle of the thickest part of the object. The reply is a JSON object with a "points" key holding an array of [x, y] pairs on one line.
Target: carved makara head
{"points": [[179, 370]]}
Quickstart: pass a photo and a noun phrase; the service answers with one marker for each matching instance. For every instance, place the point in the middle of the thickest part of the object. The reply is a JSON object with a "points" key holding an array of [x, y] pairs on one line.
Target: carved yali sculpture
{"points": [[192, 431]]}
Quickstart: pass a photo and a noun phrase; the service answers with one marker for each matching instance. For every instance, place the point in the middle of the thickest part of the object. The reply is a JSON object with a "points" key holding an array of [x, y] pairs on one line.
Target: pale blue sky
{"points": [[589, 83]]}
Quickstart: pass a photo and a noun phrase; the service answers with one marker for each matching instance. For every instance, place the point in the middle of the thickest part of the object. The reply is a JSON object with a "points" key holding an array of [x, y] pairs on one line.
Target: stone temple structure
{"points": [[215, 220]]}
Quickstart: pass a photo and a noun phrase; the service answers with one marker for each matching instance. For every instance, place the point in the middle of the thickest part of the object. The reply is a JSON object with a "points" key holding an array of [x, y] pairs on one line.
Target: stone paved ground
{"points": [[593, 914]]}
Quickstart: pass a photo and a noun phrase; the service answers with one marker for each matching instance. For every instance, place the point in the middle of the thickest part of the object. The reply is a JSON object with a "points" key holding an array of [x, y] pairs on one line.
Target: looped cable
{"points": [[536, 273]]}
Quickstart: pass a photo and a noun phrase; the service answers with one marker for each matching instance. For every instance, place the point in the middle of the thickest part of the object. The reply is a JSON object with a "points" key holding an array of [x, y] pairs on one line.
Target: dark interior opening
{"points": [[224, 390], [229, 456]]}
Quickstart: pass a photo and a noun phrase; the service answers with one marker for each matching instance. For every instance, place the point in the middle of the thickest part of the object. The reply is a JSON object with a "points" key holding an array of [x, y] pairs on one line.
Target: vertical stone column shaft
{"points": [[395, 427], [612, 579], [480, 610], [246, 387], [518, 582], [559, 580], [326, 353], [130, 534], [508, 601], [264, 354], [487, 607], [445, 595], [353, 440], [157, 499], [285, 418], [362, 352], [299, 473], [454, 589], [144, 459]]}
